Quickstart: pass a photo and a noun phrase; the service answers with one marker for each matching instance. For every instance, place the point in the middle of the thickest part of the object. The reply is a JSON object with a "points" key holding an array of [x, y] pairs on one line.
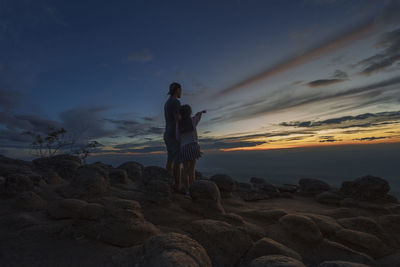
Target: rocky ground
{"points": [[58, 212]]}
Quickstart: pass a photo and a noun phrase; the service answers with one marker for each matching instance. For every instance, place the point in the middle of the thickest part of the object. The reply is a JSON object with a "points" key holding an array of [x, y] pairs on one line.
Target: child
{"points": [[190, 150]]}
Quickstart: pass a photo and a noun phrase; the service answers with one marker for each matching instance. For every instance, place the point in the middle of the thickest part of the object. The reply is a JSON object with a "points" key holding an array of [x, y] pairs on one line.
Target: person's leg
{"points": [[170, 168], [177, 175], [192, 171], [186, 168]]}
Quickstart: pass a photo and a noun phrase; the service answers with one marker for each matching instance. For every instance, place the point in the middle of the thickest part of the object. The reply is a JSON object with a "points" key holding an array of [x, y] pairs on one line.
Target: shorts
{"points": [[173, 147]]}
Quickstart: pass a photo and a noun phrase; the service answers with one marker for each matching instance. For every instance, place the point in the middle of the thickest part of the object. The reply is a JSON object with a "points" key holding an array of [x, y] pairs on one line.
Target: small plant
{"points": [[55, 140]]}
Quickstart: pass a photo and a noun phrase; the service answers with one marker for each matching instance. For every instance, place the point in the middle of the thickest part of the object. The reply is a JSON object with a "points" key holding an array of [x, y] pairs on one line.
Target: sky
{"points": [[271, 74]]}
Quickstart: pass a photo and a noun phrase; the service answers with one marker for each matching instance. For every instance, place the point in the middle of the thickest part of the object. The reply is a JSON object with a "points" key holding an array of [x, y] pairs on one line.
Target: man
{"points": [[171, 114]]}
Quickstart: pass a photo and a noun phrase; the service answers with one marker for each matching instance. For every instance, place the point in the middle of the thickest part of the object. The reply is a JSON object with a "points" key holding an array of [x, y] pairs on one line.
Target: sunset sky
{"points": [[271, 74]]}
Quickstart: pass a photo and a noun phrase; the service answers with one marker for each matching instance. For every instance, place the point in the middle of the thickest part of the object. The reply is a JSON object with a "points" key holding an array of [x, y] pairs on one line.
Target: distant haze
{"points": [[332, 164]]}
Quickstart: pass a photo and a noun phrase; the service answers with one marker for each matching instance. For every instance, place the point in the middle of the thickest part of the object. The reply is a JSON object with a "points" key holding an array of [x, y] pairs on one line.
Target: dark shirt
{"points": [[171, 107]]}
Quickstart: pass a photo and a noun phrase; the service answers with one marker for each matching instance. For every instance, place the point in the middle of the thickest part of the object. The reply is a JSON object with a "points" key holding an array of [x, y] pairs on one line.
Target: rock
{"points": [[91, 212], [267, 246], [391, 225], [225, 183], [13, 166], [366, 225], [224, 243], [118, 176], [366, 188], [15, 183], [206, 197], [332, 251], [341, 213], [348, 202], [51, 177], [89, 181], [363, 242], [122, 209], [263, 187], [288, 188], [326, 225], [276, 261], [341, 264], [134, 170], [302, 227], [256, 180], [243, 186], [65, 165], [158, 191], [376, 208], [254, 231], [18, 221], [313, 186], [329, 197], [390, 260], [174, 250], [66, 209], [265, 216], [155, 173], [199, 176], [29, 201]]}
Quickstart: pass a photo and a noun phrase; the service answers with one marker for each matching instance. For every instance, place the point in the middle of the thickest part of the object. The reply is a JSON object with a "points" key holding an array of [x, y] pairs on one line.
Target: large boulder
{"points": [[329, 197], [313, 186], [118, 176], [302, 227], [391, 225], [366, 188], [134, 170], [29, 201], [267, 246], [341, 264], [12, 166], [327, 225], [65, 209], [158, 191], [174, 250], [224, 243], [263, 187], [65, 165], [155, 173], [15, 183], [266, 216], [363, 242], [225, 183], [206, 198], [89, 181], [276, 261]]}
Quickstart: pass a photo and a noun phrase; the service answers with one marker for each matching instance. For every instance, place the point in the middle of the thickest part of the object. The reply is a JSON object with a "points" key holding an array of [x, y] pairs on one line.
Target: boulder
{"points": [[158, 191], [328, 251], [206, 197], [174, 250], [133, 169], [302, 227], [327, 225], [363, 242], [122, 209], [264, 187], [276, 261], [267, 246], [341, 213], [65, 165], [288, 188], [391, 225], [329, 197], [341, 264], [263, 215], [313, 186], [65, 209], [91, 212], [224, 243], [52, 177], [89, 181], [348, 202], [12, 166], [118, 176], [29, 201], [367, 225], [366, 188], [225, 183], [15, 183], [155, 173]]}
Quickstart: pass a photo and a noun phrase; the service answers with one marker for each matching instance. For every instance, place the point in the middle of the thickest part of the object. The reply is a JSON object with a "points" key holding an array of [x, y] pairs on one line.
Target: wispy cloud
{"points": [[324, 82]]}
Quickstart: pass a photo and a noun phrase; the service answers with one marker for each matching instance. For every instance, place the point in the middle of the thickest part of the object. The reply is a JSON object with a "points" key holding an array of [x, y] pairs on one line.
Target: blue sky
{"points": [[272, 74]]}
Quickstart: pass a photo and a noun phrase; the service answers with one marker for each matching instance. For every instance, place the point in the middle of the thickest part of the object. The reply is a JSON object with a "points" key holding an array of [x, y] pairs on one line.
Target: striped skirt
{"points": [[190, 151]]}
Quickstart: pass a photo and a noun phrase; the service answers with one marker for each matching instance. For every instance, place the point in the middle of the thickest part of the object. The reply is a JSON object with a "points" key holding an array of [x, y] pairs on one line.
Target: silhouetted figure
{"points": [[186, 133], [171, 113]]}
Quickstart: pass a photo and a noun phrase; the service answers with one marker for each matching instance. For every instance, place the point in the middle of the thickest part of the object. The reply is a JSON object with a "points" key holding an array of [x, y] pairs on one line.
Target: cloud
{"points": [[284, 100], [10, 99], [141, 56], [328, 139], [389, 15], [372, 138], [339, 74], [324, 82], [362, 120], [381, 61]]}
